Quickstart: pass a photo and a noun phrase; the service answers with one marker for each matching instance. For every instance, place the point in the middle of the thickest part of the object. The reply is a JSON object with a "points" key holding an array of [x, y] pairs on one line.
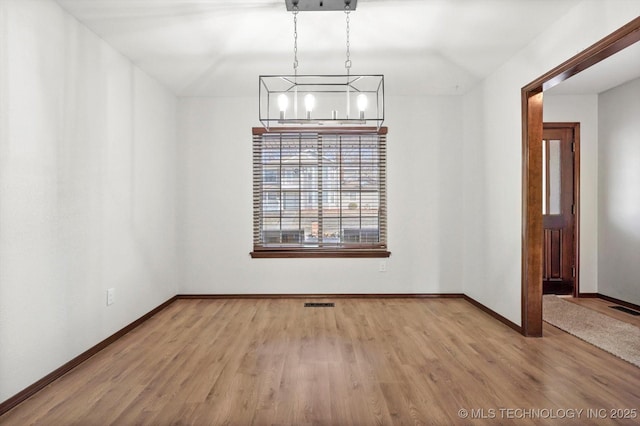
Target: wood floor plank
{"points": [[363, 362], [604, 307]]}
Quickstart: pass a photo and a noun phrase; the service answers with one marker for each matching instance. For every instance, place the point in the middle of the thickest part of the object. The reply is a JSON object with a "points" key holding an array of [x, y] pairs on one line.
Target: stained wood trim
{"points": [[493, 313], [306, 253], [576, 200], [61, 371], [532, 229], [532, 165], [618, 301], [326, 296], [560, 124], [602, 49]]}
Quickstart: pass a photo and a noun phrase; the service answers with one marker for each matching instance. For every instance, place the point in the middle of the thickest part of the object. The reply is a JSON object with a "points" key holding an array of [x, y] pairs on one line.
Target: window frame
{"points": [[262, 250]]}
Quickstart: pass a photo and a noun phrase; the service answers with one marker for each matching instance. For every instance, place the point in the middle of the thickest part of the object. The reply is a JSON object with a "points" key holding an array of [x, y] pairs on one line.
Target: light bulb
{"points": [[283, 102], [362, 102], [309, 102]]}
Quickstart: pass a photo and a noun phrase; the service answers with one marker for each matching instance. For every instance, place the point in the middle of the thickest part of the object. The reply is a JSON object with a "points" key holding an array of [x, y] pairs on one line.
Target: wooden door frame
{"points": [[532, 249], [575, 128]]}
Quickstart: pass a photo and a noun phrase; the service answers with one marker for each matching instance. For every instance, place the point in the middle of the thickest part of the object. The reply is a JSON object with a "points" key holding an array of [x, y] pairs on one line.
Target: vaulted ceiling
{"points": [[219, 47]]}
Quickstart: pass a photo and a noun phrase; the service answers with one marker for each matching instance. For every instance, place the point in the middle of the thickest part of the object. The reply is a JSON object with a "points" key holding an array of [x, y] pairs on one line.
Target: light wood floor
{"points": [[604, 307], [364, 362]]}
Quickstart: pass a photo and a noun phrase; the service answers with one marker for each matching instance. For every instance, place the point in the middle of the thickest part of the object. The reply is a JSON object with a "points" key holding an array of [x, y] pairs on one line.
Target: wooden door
{"points": [[559, 210]]}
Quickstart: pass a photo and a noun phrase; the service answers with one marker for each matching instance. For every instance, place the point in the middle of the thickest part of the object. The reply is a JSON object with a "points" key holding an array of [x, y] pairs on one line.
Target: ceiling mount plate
{"points": [[320, 5]]}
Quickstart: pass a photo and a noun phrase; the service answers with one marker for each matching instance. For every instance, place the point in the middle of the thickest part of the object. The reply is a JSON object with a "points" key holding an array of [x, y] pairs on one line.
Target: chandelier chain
{"points": [[295, 39], [347, 63]]}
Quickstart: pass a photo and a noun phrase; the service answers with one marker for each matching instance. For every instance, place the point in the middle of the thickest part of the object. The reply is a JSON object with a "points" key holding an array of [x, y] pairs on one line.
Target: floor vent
{"points": [[319, 305], [626, 310]]}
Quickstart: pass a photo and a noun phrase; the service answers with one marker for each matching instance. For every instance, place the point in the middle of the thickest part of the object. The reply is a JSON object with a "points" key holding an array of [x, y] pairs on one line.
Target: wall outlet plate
{"points": [[383, 266], [110, 296]]}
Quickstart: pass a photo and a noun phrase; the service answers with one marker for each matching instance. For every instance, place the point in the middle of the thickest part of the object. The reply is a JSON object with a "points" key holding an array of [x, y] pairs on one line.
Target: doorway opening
{"points": [[532, 128]]}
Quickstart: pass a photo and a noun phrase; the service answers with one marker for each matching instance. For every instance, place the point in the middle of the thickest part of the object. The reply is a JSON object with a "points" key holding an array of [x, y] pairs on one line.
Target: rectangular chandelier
{"points": [[356, 100]]}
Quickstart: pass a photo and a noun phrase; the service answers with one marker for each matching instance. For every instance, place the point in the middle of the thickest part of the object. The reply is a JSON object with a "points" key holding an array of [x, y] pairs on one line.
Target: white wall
{"points": [[87, 191], [493, 152], [584, 110], [424, 194], [619, 177]]}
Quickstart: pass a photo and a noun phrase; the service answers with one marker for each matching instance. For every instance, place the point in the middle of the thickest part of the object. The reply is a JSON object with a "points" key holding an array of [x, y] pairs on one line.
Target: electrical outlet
{"points": [[110, 295], [383, 266]]}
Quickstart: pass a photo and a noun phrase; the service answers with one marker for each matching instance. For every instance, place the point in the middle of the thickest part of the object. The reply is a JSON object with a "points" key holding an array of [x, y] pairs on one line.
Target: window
{"points": [[319, 192]]}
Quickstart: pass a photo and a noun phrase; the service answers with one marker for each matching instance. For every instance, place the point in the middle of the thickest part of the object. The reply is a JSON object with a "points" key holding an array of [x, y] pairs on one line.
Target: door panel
{"points": [[553, 254], [558, 210]]}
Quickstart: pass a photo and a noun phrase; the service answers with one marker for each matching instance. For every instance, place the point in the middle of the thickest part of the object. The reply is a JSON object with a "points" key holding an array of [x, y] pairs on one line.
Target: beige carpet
{"points": [[614, 336]]}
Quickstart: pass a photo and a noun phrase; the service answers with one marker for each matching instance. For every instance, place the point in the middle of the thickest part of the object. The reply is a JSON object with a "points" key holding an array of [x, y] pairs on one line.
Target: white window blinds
{"points": [[320, 189]]}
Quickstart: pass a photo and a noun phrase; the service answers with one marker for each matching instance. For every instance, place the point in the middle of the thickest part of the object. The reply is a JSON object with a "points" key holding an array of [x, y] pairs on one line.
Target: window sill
{"points": [[306, 253]]}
